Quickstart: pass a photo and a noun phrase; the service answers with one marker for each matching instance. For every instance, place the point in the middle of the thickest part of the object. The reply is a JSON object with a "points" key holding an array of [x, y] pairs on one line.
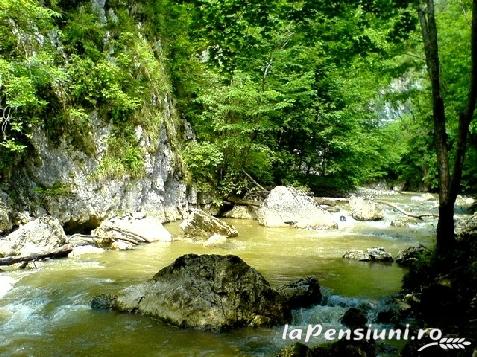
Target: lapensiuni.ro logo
{"points": [[434, 335]]}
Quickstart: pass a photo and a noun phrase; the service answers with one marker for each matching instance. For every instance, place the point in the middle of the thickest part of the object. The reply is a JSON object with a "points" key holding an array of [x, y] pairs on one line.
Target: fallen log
{"points": [[417, 216], [58, 253]]}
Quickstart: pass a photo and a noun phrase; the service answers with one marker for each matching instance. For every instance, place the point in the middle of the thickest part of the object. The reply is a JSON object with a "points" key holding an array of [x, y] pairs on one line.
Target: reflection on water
{"points": [[47, 312]]}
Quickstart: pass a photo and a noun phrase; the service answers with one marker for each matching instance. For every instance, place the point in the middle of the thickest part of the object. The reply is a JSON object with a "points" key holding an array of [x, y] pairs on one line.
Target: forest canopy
{"points": [[322, 94]]}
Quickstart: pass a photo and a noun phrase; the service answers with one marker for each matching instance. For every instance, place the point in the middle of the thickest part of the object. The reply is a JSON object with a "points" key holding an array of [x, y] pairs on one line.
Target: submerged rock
{"points": [[209, 292], [242, 212], [84, 249], [296, 350], [376, 254], [410, 255], [202, 225], [132, 229], [302, 293], [365, 210], [215, 240], [286, 206], [43, 235], [354, 318]]}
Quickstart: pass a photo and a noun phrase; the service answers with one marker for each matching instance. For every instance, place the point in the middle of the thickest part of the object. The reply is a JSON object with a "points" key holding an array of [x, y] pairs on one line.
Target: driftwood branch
{"points": [[252, 179], [417, 216], [59, 253]]}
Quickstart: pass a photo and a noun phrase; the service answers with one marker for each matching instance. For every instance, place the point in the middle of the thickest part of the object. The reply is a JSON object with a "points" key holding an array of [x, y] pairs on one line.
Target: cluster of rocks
{"points": [[45, 236], [405, 257], [212, 292]]}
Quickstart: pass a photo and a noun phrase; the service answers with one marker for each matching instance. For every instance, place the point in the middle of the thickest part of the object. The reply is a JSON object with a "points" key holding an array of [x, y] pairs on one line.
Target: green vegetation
{"points": [[282, 92]]}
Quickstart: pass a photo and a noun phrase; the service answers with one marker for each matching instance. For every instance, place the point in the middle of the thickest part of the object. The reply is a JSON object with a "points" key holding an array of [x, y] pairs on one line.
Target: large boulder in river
{"points": [[200, 224], [134, 229], [40, 236], [286, 206], [211, 292], [375, 254], [365, 210]]}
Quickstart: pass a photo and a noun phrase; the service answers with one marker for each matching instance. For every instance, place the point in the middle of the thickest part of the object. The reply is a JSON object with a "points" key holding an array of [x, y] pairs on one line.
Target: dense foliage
{"points": [[327, 94]]}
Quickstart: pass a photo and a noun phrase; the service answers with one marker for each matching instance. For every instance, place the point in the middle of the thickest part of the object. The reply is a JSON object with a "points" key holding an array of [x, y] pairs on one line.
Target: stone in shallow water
{"points": [[242, 212], [200, 224], [302, 293], [375, 254], [365, 210], [209, 292], [410, 255], [354, 318]]}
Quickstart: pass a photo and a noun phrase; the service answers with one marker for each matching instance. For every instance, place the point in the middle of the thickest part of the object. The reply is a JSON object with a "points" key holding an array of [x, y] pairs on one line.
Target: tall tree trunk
{"points": [[445, 226], [448, 186]]}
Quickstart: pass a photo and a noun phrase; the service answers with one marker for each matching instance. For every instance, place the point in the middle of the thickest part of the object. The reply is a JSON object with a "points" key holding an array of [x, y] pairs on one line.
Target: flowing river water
{"points": [[46, 312]]}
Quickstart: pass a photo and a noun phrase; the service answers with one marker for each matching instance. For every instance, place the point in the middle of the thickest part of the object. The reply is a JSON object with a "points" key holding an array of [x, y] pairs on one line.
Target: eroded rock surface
{"points": [[210, 292]]}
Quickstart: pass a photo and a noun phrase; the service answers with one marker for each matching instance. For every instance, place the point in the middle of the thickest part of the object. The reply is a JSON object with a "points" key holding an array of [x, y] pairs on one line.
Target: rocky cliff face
{"points": [[63, 181]]}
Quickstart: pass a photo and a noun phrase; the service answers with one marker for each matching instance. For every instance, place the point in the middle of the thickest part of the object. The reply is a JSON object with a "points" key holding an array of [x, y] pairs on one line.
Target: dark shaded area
{"points": [[71, 227]]}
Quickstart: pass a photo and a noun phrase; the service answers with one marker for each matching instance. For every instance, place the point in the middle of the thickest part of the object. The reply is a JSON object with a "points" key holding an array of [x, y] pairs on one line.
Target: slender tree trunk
{"points": [[445, 226], [448, 185]]}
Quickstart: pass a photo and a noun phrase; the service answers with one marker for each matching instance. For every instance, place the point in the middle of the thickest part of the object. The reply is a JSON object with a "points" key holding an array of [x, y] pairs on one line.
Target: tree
{"points": [[449, 184]]}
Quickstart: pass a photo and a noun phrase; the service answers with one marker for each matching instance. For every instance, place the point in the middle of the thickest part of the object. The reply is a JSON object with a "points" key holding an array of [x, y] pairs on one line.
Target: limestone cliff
{"points": [[63, 181]]}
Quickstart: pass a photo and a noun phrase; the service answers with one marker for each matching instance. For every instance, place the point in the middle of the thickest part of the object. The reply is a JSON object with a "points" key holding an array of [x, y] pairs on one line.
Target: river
{"points": [[46, 312]]}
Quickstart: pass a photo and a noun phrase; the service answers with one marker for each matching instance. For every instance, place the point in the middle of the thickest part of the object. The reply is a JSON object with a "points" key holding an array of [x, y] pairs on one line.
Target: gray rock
{"points": [[410, 255], [134, 229], [202, 225], [102, 302], [287, 206], [365, 210], [301, 293], [242, 212], [376, 254], [40, 236], [209, 292]]}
